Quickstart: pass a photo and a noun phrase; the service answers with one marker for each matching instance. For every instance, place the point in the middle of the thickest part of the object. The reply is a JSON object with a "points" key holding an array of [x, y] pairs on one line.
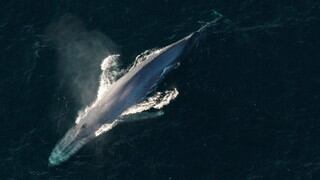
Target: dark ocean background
{"points": [[249, 99]]}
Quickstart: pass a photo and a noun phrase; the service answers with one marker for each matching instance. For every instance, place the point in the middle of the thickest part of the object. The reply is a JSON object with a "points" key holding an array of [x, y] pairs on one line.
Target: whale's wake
{"points": [[112, 72]]}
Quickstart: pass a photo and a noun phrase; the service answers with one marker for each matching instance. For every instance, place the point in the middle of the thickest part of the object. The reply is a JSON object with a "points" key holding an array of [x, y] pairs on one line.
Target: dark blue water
{"points": [[249, 102]]}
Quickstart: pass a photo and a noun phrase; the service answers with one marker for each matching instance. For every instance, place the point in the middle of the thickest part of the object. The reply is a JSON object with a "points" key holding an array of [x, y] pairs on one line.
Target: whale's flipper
{"points": [[157, 101], [141, 116], [128, 118], [107, 127]]}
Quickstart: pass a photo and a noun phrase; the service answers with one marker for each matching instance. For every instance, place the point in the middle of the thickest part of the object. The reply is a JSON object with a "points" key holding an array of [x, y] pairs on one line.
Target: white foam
{"points": [[110, 73]]}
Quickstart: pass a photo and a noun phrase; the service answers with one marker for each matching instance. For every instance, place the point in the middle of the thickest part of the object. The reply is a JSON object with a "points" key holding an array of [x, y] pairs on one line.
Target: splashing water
{"points": [[110, 73]]}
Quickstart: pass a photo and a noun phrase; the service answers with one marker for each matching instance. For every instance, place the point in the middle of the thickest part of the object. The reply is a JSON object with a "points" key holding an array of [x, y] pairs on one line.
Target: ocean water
{"points": [[249, 94]]}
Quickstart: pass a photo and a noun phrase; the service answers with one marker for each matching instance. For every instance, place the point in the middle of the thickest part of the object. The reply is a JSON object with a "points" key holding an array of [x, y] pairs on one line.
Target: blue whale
{"points": [[127, 91]]}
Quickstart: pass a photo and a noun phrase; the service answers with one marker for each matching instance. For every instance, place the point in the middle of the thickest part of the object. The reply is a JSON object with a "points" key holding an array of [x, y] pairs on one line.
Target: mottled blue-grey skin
{"points": [[129, 90]]}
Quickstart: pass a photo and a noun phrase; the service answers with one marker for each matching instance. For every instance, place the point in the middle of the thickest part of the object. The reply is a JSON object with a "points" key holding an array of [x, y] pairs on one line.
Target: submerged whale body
{"points": [[128, 91]]}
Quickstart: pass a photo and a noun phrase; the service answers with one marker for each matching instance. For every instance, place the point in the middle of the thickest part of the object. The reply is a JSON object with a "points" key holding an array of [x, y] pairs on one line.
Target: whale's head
{"points": [[73, 140]]}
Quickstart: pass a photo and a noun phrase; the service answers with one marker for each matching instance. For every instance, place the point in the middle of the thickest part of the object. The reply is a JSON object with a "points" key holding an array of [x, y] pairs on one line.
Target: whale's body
{"points": [[130, 89]]}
